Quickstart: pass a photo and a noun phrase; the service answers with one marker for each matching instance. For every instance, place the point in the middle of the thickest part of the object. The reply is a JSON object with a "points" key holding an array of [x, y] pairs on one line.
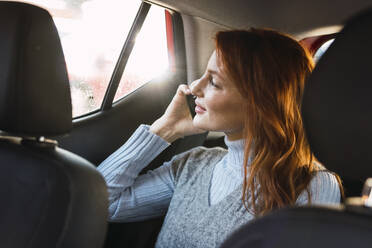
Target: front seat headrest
{"points": [[337, 103], [34, 87]]}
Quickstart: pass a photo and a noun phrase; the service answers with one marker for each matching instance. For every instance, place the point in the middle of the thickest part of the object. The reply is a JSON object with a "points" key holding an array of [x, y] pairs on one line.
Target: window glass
{"points": [[92, 34], [149, 57], [319, 53]]}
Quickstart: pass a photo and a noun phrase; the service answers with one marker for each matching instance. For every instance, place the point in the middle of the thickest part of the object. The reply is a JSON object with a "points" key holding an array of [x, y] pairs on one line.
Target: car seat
{"points": [[337, 112], [49, 197]]}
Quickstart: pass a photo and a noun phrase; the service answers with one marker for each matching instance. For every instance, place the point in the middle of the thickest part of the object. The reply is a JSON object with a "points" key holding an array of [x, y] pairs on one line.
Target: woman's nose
{"points": [[195, 87]]}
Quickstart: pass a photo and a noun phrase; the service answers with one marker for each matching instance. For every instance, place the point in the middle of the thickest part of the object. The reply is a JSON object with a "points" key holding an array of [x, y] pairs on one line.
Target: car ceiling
{"points": [[296, 17]]}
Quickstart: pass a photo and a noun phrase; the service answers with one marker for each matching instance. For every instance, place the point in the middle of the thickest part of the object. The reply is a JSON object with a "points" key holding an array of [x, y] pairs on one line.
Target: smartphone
{"points": [[191, 103]]}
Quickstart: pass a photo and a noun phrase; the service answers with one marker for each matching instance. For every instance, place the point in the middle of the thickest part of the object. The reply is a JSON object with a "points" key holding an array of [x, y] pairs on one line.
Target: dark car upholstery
{"points": [[49, 196], [337, 111]]}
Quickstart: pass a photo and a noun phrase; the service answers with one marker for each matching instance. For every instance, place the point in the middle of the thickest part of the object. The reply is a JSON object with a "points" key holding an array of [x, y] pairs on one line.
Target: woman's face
{"points": [[219, 106]]}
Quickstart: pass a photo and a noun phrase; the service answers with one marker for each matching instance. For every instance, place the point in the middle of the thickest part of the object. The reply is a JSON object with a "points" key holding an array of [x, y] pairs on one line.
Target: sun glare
{"points": [[93, 33]]}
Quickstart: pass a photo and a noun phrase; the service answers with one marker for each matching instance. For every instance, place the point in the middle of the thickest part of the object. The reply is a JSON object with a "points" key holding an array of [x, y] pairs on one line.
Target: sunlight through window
{"points": [[149, 57], [92, 34]]}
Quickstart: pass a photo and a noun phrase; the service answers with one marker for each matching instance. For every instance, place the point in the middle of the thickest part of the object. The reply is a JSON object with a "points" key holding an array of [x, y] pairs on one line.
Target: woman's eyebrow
{"points": [[213, 72]]}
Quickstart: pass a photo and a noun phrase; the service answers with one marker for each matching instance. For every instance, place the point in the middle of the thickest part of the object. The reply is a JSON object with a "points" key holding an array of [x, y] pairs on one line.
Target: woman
{"points": [[251, 91]]}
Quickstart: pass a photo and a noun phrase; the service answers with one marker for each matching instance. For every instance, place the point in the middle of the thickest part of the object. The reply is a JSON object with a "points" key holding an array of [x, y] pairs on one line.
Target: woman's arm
{"points": [[133, 197]]}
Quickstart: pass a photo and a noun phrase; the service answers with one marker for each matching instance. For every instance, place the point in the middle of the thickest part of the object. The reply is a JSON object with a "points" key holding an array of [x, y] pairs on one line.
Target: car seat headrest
{"points": [[337, 102], [34, 88]]}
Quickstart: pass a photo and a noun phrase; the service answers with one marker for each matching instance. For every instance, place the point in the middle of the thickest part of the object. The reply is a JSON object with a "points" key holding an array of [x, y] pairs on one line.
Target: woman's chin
{"points": [[200, 123]]}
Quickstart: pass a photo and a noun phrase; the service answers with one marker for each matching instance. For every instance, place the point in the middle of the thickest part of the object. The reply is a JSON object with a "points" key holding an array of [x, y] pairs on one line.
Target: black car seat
{"points": [[337, 111], [49, 196]]}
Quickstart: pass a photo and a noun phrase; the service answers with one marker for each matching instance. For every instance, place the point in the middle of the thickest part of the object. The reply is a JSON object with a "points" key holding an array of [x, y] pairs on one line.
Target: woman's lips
{"points": [[199, 109]]}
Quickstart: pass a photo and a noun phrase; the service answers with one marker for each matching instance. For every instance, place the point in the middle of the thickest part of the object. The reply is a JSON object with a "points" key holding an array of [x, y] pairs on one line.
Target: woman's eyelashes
{"points": [[212, 82]]}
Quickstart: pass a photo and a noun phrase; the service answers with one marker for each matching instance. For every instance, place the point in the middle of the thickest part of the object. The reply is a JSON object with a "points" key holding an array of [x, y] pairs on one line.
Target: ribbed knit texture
{"points": [[228, 173], [133, 197], [200, 190]]}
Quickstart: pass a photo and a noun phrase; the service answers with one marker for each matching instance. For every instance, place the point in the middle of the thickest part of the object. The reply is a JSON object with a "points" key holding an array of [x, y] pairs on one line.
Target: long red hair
{"points": [[270, 69]]}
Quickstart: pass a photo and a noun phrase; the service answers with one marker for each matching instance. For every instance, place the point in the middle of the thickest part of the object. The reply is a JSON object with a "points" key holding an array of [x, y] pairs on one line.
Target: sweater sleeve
{"points": [[133, 197], [324, 190]]}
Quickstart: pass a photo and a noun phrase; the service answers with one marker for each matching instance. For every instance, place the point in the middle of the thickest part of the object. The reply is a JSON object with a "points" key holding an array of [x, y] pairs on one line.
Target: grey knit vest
{"points": [[190, 220]]}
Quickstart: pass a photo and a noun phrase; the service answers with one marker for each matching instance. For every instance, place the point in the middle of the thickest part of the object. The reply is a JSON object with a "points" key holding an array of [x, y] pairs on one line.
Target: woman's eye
{"points": [[211, 81]]}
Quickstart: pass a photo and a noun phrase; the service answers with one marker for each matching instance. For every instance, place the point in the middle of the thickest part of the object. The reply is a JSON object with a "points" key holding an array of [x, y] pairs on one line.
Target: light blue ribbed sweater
{"points": [[134, 198]]}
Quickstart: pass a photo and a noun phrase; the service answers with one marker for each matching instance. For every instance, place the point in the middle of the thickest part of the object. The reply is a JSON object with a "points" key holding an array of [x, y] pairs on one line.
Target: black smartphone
{"points": [[191, 102]]}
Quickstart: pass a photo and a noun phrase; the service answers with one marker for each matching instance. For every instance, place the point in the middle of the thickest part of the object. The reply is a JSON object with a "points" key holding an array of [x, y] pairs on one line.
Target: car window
{"points": [[92, 42], [149, 57], [92, 34]]}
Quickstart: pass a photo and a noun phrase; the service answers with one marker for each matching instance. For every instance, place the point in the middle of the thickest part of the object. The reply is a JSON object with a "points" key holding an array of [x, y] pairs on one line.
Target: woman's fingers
{"points": [[177, 121], [183, 89], [178, 108], [179, 99]]}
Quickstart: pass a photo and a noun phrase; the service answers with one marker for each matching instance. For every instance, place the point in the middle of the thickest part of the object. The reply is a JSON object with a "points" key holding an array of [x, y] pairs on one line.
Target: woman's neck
{"points": [[235, 155], [234, 135]]}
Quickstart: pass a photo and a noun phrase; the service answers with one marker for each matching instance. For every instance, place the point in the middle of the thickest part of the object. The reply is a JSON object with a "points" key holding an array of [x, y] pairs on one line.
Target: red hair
{"points": [[270, 69]]}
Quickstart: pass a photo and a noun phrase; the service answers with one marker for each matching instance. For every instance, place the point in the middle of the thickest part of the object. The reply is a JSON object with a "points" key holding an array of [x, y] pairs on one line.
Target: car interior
{"points": [[63, 111]]}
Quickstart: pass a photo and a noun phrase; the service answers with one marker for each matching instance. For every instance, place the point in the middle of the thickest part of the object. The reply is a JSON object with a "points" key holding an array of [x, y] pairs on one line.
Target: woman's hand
{"points": [[176, 122]]}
